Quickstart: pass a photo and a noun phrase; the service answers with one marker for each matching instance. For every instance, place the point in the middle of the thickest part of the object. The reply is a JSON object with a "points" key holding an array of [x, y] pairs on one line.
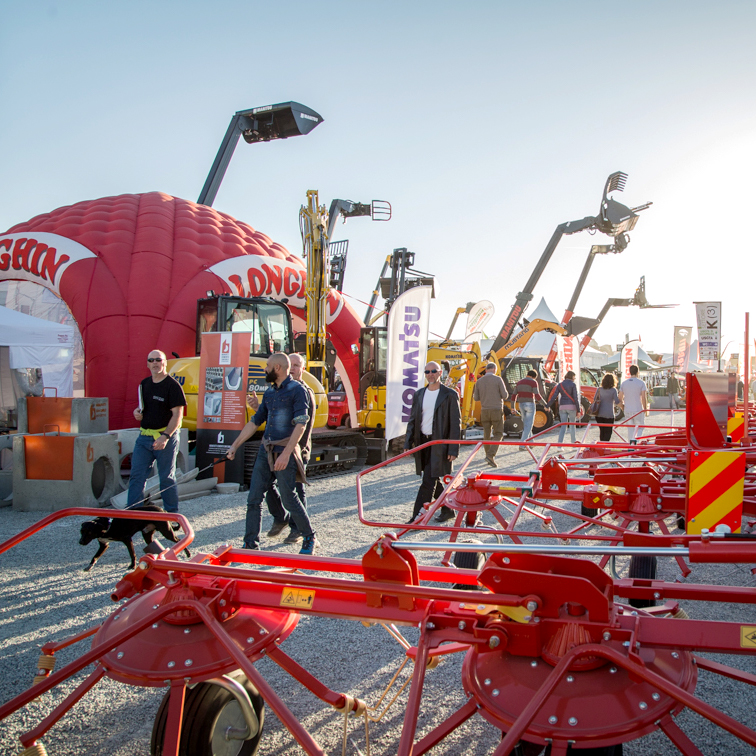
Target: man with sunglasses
{"points": [[159, 414], [435, 415]]}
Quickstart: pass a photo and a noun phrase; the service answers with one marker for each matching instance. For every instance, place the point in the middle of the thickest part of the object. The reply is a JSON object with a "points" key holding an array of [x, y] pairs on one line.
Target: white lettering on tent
{"points": [[39, 257]]}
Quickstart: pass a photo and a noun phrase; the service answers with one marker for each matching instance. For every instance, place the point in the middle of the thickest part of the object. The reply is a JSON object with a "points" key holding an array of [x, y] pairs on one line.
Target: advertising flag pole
{"points": [[746, 377]]}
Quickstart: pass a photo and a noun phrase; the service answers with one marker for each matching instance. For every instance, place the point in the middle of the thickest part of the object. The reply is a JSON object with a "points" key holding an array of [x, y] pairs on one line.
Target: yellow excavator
{"points": [[270, 323]]}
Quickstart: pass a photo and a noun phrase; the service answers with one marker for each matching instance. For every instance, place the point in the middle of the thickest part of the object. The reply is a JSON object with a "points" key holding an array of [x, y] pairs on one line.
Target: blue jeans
{"points": [[141, 464], [527, 410], [567, 416], [276, 508], [262, 477]]}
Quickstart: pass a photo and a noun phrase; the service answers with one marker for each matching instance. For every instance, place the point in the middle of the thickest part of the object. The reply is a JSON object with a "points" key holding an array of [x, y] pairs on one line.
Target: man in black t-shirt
{"points": [[160, 410]]}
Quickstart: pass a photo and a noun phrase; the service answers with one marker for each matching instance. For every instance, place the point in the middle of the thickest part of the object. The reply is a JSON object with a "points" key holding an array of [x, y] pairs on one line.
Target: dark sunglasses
{"points": [[430, 371], [154, 359]]}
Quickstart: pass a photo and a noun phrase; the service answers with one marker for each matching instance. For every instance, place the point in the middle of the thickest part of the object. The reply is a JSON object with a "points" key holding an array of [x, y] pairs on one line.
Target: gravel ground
{"points": [[45, 595]]}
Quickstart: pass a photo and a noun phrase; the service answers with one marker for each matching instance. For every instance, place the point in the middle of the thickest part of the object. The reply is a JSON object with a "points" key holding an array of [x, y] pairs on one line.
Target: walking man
{"points": [[285, 412], [526, 391], [491, 392], [634, 396], [159, 414], [281, 520], [435, 415]]}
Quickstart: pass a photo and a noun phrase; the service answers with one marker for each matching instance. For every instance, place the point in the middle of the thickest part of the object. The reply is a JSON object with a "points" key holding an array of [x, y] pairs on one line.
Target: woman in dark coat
{"points": [[606, 399], [440, 405]]}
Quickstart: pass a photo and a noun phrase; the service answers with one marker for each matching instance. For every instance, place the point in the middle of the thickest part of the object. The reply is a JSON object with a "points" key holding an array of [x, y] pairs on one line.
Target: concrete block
{"points": [[71, 415], [94, 478]]}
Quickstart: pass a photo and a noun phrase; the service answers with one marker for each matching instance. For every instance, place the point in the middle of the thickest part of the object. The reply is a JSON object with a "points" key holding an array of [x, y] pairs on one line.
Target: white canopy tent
{"points": [[35, 343], [539, 344]]}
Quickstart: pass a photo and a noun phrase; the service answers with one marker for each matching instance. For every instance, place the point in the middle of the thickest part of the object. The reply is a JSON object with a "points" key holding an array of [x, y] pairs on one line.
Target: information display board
{"points": [[222, 402]]}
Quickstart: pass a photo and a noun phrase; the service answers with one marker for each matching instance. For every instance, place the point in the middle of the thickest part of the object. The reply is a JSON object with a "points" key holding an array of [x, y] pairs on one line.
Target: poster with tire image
{"points": [[222, 403]]}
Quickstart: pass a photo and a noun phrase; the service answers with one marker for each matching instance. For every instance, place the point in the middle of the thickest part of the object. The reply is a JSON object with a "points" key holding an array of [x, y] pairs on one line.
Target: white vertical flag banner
{"points": [[477, 319], [681, 348], [407, 341], [709, 321], [629, 356]]}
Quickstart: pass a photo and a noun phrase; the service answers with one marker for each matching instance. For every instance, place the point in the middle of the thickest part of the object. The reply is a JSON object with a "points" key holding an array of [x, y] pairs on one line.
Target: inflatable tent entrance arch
{"points": [[131, 269]]}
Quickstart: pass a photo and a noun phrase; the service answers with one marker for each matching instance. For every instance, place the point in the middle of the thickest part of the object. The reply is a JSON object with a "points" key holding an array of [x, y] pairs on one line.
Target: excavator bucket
{"points": [[578, 325]]}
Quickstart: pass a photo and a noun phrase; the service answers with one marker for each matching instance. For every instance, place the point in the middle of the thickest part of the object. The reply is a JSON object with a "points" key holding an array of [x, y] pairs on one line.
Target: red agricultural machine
{"points": [[556, 656]]}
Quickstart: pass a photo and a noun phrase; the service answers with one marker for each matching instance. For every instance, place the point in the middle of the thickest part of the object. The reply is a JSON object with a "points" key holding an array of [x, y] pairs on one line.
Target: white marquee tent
{"points": [[35, 343]]}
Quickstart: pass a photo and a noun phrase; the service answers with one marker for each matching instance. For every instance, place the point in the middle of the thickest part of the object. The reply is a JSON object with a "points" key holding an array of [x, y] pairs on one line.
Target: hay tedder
{"points": [[554, 655]]}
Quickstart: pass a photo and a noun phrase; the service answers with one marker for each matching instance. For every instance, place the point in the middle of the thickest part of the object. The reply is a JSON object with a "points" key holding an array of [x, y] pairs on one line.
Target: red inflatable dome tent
{"points": [[131, 269]]}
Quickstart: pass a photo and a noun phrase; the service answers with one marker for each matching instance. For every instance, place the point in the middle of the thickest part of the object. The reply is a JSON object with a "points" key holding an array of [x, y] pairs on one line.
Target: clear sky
{"points": [[485, 124]]}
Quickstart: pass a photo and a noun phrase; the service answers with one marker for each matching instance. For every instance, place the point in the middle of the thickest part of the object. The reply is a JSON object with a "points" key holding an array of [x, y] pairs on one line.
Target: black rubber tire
{"points": [[468, 560], [619, 413], [643, 567], [203, 705], [347, 421], [513, 425], [680, 522]]}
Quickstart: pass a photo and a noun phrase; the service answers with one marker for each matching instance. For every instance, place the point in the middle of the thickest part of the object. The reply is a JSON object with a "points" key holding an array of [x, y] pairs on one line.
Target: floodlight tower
{"points": [[264, 124]]}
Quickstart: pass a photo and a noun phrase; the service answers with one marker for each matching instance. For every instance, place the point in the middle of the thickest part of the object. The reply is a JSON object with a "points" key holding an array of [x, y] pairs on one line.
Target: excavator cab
{"points": [[268, 320], [373, 364]]}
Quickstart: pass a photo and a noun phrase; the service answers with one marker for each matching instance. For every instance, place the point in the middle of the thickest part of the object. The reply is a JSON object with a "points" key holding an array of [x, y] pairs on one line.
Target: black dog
{"points": [[106, 530]]}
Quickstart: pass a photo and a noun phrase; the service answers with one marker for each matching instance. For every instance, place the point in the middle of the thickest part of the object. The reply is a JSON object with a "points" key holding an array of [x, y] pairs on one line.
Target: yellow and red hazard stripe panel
{"points": [[715, 490], [736, 428]]}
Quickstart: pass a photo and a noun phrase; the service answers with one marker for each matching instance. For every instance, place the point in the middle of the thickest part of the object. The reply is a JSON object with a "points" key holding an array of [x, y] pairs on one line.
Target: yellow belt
{"points": [[152, 432]]}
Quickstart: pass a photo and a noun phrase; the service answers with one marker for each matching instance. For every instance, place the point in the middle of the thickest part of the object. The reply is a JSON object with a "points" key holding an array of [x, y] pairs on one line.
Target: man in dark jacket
{"points": [[435, 415]]}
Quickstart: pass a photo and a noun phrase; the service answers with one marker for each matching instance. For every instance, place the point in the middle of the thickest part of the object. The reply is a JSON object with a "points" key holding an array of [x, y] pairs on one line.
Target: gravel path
{"points": [[45, 595]]}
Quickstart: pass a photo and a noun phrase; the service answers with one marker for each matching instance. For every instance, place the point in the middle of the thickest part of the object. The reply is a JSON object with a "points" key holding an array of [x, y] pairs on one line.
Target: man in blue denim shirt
{"points": [[284, 410]]}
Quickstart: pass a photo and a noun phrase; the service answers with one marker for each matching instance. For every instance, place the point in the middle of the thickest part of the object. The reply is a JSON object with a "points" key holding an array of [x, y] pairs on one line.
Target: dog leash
{"points": [[149, 496]]}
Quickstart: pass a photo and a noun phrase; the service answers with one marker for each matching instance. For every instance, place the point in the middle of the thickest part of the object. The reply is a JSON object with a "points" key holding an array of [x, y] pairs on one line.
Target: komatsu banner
{"points": [[681, 348], [568, 354], [628, 357], [708, 320], [408, 323]]}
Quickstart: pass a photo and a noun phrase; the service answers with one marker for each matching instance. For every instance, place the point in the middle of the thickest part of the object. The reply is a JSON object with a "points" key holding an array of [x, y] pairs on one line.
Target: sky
{"points": [[485, 124]]}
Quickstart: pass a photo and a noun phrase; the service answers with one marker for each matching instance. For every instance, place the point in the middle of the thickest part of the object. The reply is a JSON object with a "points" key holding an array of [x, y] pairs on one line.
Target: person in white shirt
{"points": [[633, 397], [435, 415]]}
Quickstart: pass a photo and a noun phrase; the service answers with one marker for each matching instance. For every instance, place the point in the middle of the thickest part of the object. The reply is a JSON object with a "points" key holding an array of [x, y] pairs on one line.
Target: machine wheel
{"points": [[468, 560], [208, 711], [513, 425], [543, 418], [642, 567], [619, 413], [680, 521], [347, 421]]}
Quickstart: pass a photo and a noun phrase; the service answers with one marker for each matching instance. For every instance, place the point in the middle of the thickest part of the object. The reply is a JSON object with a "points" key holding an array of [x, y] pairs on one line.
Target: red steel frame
{"points": [[545, 638], [630, 486]]}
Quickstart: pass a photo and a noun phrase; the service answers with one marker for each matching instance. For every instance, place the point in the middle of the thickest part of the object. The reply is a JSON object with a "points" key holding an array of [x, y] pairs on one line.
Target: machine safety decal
{"points": [[736, 428], [715, 490], [297, 598], [747, 636]]}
